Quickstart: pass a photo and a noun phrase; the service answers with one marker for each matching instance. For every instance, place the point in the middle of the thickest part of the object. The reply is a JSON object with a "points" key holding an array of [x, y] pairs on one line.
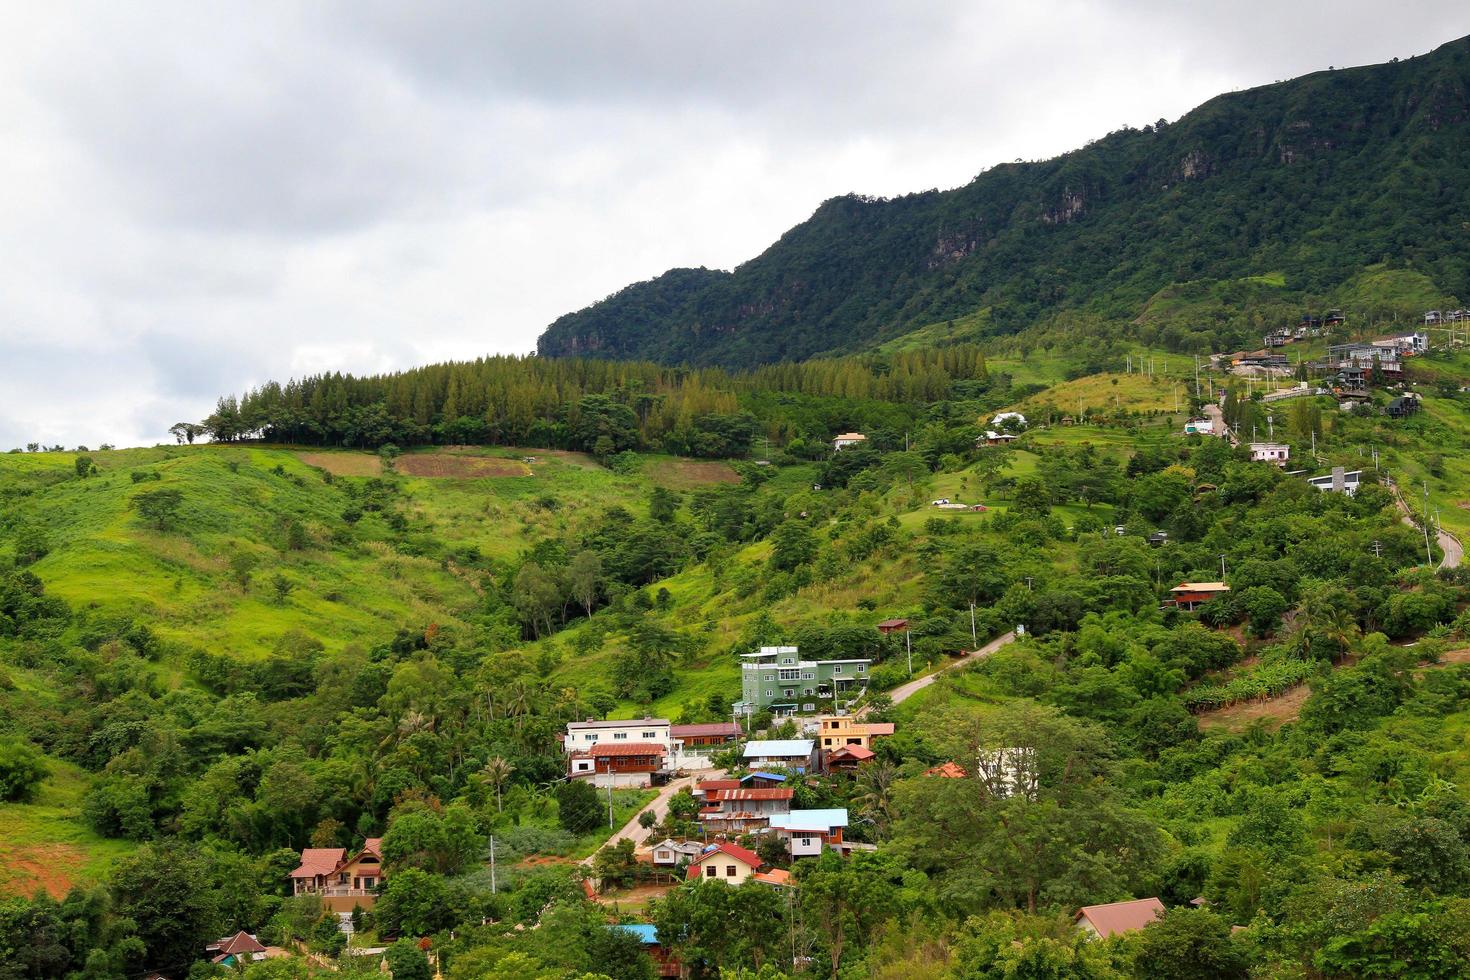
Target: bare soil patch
{"points": [[344, 464], [1279, 710], [682, 474], [50, 866], [457, 466]]}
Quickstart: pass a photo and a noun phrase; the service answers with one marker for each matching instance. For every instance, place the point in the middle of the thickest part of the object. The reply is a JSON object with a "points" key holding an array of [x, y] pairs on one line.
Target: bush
{"points": [[22, 768]]}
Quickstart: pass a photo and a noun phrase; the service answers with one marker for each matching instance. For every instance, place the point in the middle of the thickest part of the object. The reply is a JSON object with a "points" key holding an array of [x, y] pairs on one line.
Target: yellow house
{"points": [[838, 730], [729, 863]]}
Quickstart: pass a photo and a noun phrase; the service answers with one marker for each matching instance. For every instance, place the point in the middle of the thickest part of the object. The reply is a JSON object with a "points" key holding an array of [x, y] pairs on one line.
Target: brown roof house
{"points": [[1103, 921], [343, 882]]}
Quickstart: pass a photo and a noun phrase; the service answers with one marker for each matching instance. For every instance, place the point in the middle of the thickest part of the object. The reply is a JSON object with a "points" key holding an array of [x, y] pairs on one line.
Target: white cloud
{"points": [[204, 196]]}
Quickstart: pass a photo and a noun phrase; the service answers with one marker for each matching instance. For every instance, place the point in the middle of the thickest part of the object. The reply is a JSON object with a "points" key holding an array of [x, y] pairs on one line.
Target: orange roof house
{"points": [[947, 770], [1103, 921], [848, 757], [1190, 595], [342, 881]]}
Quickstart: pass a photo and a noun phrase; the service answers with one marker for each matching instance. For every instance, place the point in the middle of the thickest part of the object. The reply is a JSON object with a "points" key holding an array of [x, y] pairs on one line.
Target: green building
{"points": [[775, 678]]}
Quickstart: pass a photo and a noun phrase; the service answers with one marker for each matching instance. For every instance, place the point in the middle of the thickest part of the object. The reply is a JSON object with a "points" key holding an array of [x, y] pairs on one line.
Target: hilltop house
{"points": [[1189, 596], [1204, 426], [774, 678], [729, 863], [796, 754], [993, 438], [582, 735], [893, 626], [1102, 921], [846, 758], [1405, 344], [841, 442], [808, 831], [343, 882], [1341, 480], [1270, 452], [838, 731], [1405, 404]]}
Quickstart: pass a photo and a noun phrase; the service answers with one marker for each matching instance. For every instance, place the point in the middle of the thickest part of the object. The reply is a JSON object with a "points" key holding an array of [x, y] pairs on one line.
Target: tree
{"points": [[159, 508], [792, 546], [440, 842], [185, 432], [282, 587], [497, 773], [584, 578], [22, 768], [536, 596], [167, 890], [416, 903], [407, 962], [85, 467], [31, 545], [577, 806], [1189, 944]]}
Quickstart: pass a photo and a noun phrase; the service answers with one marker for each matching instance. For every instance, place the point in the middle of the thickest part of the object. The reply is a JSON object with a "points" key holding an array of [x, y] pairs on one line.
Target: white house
{"points": [[848, 439], [1341, 480], [808, 831], [1200, 426], [582, 735], [1008, 771], [1005, 417], [669, 852], [793, 753], [1270, 452]]}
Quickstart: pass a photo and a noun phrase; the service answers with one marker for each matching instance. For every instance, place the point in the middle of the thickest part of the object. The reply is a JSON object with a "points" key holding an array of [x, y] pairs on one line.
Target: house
{"points": [[893, 626], [745, 809], [581, 735], [834, 731], [1404, 405], [841, 442], [702, 789], [1408, 344], [1189, 596], [1203, 426], [775, 678], [729, 863], [343, 882], [1260, 362], [669, 852], [1102, 921], [1015, 418], [762, 779], [1068, 420], [993, 438], [796, 754], [1341, 480], [807, 832], [618, 764], [1433, 316], [947, 770], [1158, 539], [847, 758], [664, 962], [1008, 771], [1270, 452], [239, 949], [700, 739]]}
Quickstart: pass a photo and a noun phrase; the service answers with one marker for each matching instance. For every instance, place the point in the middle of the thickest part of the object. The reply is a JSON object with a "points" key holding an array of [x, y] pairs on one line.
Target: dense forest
{"points": [[590, 405], [1314, 179]]}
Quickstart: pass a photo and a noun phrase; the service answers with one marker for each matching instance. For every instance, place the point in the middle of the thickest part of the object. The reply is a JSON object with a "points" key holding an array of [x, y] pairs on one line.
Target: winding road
{"points": [[639, 834], [905, 691], [1449, 545]]}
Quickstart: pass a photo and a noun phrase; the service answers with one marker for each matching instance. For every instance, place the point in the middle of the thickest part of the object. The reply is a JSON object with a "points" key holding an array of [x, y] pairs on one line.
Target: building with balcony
{"points": [[343, 882], [775, 678]]}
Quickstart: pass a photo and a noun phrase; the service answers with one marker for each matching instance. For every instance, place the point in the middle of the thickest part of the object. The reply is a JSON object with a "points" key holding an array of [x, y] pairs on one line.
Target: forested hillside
{"points": [[1313, 180]]}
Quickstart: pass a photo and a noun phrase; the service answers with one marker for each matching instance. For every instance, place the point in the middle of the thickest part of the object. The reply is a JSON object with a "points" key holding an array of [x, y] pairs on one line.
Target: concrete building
{"points": [[776, 678]]}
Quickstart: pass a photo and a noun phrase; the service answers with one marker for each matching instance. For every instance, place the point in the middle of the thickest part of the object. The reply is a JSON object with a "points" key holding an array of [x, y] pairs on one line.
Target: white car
{"points": [[940, 502]]}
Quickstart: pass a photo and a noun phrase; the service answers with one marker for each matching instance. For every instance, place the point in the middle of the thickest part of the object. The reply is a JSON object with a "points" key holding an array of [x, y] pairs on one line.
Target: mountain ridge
{"points": [[1317, 177]]}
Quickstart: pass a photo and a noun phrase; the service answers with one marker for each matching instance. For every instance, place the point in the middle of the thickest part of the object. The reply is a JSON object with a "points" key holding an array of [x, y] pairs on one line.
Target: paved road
{"points": [[1217, 415], [660, 806], [905, 691], [1449, 545]]}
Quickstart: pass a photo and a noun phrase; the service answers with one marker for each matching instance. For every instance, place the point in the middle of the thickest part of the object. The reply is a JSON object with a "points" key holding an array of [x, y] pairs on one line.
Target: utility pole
{"points": [[909, 646], [492, 864], [609, 795], [1377, 549], [1222, 568], [973, 637]]}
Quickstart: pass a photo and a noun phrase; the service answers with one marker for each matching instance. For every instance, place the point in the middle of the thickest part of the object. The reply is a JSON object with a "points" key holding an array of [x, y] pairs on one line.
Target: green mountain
{"points": [[1315, 179]]}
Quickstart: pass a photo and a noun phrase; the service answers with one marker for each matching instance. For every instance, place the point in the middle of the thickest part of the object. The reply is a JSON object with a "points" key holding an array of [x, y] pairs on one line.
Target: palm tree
{"points": [[497, 772], [875, 782]]}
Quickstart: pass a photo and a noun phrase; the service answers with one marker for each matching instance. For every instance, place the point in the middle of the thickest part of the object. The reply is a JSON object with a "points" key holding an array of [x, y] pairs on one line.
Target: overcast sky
{"points": [[201, 196]]}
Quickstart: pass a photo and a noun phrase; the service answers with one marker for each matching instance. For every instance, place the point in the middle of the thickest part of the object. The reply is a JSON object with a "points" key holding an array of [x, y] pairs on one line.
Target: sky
{"points": [[202, 196]]}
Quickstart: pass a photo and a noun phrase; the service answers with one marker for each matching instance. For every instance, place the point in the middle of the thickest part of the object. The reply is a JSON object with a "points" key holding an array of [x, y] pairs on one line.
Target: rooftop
{"points": [[1116, 917], [778, 747], [618, 723], [750, 793], [621, 750], [823, 820], [852, 752], [319, 861], [643, 932], [735, 851], [712, 728], [1201, 587]]}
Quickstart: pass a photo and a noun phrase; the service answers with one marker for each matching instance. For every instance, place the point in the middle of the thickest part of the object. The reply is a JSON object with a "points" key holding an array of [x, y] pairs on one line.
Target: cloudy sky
{"points": [[201, 196]]}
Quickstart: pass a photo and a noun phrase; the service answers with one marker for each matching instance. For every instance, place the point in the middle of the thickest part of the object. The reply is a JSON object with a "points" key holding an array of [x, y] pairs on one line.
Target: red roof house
{"points": [[729, 863], [1115, 917], [848, 757], [947, 770]]}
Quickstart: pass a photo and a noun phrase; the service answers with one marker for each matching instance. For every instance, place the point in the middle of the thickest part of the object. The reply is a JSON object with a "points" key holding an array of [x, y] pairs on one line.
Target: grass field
{"points": [[45, 845]]}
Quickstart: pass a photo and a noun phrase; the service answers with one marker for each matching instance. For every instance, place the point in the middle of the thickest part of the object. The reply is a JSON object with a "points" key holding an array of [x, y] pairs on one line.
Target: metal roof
{"points": [[789, 747], [823, 820]]}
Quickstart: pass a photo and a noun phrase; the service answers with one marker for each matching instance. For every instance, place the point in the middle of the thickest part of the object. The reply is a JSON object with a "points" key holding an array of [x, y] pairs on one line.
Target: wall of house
{"points": [[727, 869]]}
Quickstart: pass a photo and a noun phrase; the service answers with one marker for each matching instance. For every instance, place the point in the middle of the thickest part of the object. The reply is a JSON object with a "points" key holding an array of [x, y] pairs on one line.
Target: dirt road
{"points": [[905, 691], [660, 806]]}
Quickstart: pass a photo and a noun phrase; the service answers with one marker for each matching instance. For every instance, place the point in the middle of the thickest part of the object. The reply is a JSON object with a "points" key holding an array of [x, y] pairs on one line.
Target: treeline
{"points": [[573, 403]]}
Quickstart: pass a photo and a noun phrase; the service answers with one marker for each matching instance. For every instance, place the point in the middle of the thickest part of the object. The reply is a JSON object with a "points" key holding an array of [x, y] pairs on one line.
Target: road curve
{"points": [[1449, 545], [659, 805], [905, 691]]}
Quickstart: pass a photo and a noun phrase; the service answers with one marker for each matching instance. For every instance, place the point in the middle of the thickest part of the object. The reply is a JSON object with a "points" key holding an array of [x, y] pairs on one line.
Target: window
{"points": [[788, 660], [807, 675], [729, 871], [620, 735], [592, 737], [807, 691], [770, 693], [806, 842], [862, 668], [836, 668], [710, 871], [650, 735], [808, 706]]}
